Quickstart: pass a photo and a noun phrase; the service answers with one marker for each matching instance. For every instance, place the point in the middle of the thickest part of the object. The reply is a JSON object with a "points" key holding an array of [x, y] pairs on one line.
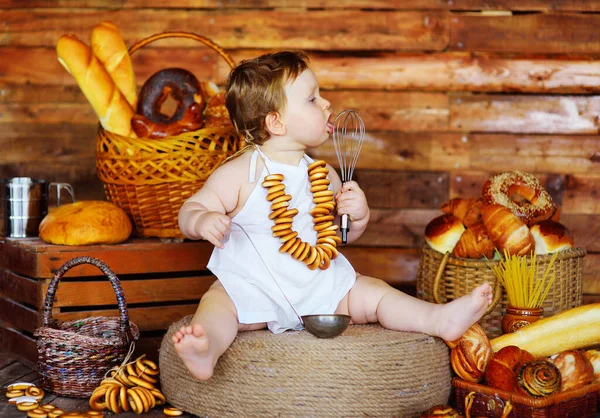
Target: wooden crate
{"points": [[162, 282]]}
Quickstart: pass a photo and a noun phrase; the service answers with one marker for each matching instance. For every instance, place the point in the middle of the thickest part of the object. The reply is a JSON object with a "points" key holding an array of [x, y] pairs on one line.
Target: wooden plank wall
{"points": [[451, 92]]}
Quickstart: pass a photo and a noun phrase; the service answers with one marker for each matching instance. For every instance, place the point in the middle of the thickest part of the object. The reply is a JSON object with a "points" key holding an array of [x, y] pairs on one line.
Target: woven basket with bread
{"points": [[514, 215], [150, 160], [546, 369]]}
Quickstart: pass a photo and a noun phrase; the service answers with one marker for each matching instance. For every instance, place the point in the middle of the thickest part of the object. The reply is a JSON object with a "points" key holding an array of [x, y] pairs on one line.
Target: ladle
{"points": [[319, 325]]}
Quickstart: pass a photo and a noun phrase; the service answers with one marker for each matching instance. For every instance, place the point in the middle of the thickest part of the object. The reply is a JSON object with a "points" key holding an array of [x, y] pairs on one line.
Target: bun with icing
{"points": [[443, 232], [550, 237], [86, 223]]}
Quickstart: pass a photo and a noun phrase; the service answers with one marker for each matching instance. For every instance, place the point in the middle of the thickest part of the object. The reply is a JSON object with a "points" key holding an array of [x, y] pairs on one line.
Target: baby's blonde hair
{"points": [[256, 88]]}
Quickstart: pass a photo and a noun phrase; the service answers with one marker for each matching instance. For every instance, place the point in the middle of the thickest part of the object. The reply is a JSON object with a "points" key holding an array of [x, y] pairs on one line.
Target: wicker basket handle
{"points": [[206, 41], [438, 278], [124, 328]]}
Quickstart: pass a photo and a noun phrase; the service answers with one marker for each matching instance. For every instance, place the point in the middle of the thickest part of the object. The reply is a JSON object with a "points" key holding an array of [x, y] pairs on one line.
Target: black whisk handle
{"points": [[345, 227]]}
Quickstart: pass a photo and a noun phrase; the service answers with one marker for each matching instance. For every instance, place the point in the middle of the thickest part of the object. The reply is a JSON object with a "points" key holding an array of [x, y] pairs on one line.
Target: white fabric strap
{"points": [[252, 172]]}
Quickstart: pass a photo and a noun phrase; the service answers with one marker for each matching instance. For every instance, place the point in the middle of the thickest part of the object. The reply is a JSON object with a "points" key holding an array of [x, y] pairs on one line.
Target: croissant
{"points": [[468, 211], [506, 230], [474, 243]]}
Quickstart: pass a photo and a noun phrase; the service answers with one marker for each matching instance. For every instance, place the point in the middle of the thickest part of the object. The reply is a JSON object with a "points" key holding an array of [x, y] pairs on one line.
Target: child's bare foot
{"points": [[192, 345], [457, 316]]}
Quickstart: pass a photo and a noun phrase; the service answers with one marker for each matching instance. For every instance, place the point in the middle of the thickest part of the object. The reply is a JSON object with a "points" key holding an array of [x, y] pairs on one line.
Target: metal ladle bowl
{"points": [[326, 325]]}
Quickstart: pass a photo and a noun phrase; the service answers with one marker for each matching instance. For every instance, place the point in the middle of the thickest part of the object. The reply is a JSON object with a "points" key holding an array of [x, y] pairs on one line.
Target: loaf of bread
{"points": [[108, 45], [501, 371], [111, 107], [506, 230], [86, 223], [550, 237], [593, 356], [569, 330], [470, 354], [443, 232], [575, 369], [474, 243]]}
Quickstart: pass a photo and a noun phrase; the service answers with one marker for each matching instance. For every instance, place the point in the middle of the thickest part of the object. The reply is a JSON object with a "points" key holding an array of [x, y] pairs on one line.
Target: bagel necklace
{"points": [[321, 254]]}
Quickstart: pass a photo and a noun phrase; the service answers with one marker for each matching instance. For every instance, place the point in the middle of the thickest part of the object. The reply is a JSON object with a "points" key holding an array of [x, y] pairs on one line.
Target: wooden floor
{"points": [[12, 370]]}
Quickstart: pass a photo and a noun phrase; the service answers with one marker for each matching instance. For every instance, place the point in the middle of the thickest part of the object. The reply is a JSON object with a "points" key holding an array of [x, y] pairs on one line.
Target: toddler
{"points": [[275, 103]]}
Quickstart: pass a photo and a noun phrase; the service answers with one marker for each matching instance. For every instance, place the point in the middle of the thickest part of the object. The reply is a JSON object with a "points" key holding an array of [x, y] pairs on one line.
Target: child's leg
{"points": [[210, 332], [373, 300]]}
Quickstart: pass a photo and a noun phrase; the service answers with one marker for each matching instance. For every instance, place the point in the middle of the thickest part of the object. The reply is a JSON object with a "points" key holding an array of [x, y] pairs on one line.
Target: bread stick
{"points": [[111, 107], [108, 45], [569, 330]]}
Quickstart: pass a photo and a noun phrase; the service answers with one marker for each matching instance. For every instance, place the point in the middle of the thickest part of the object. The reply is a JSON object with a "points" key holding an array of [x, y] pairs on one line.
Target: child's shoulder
{"points": [[235, 166]]}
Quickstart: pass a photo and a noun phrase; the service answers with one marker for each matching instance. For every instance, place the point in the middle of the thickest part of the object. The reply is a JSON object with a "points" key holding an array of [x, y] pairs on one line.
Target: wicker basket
{"points": [[151, 179], [443, 278], [474, 399], [74, 356]]}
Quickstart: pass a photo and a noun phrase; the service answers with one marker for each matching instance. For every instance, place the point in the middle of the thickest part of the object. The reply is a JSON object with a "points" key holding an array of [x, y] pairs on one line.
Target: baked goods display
{"points": [[104, 73], [86, 223], [514, 214], [539, 360]]}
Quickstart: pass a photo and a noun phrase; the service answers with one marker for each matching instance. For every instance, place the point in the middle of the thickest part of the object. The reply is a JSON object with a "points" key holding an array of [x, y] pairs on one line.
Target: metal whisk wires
{"points": [[348, 136]]}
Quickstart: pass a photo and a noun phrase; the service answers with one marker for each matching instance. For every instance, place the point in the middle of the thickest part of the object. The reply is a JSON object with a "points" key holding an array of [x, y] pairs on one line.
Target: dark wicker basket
{"points": [[476, 400], [74, 356]]}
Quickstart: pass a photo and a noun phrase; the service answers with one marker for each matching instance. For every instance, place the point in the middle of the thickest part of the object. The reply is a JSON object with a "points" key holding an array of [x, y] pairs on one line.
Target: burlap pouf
{"points": [[367, 371]]}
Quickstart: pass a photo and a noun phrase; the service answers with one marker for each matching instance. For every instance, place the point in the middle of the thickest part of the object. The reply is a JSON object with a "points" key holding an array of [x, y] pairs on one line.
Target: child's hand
{"points": [[351, 200], [214, 227]]}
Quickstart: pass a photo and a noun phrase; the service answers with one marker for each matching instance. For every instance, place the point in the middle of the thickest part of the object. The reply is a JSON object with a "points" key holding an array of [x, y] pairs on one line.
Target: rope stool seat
{"points": [[367, 371]]}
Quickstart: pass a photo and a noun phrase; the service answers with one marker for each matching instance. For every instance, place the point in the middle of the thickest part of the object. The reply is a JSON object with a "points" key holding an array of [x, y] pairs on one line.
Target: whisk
{"points": [[348, 136]]}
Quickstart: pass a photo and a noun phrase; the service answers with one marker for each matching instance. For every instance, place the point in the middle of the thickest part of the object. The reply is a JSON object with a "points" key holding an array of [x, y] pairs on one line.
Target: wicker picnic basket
{"points": [[477, 400], [443, 278], [74, 356], [151, 178]]}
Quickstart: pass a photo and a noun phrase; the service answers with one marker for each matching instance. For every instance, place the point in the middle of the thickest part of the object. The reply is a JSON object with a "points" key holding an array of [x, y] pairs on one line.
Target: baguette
{"points": [[111, 107], [569, 330], [108, 45]]}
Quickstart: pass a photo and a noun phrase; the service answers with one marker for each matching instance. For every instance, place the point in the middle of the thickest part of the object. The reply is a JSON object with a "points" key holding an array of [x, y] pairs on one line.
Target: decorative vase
{"points": [[515, 318]]}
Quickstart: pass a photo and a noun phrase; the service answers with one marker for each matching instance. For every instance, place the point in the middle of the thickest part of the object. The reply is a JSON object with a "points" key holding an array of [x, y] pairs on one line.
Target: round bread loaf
{"points": [[551, 237], [443, 232], [86, 223]]}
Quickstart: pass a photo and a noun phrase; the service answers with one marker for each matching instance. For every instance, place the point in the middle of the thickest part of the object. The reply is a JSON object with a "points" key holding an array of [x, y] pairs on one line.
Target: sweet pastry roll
{"points": [[539, 378]]}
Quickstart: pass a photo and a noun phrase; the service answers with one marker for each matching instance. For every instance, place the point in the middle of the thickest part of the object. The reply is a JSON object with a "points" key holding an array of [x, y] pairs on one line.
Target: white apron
{"points": [[244, 275]]}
